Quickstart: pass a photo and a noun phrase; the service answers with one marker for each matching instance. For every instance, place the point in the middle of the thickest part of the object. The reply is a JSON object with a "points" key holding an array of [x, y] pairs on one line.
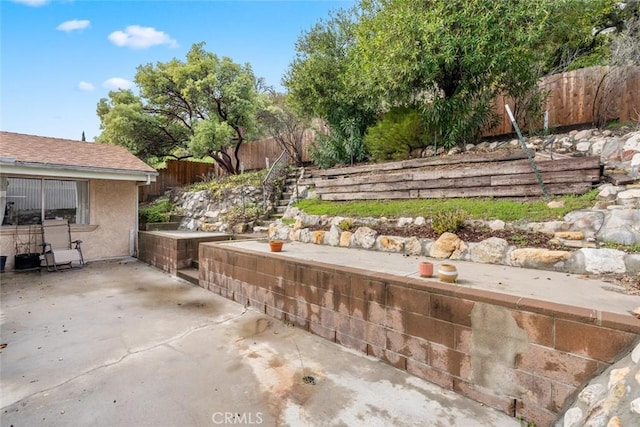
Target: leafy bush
{"points": [[346, 224], [460, 119], [343, 146], [158, 211], [238, 215], [217, 185], [450, 221], [393, 137]]}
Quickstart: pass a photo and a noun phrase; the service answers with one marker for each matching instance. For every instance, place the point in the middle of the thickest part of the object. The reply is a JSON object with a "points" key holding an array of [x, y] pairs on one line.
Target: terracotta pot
{"points": [[425, 269], [275, 245], [447, 273]]}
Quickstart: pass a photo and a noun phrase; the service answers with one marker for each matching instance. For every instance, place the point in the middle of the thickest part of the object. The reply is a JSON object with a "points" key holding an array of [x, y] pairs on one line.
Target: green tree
{"points": [[281, 122], [578, 33], [450, 58], [205, 106], [320, 85]]}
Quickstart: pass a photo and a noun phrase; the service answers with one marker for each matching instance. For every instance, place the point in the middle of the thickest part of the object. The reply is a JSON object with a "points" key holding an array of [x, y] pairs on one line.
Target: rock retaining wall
{"points": [[583, 260]]}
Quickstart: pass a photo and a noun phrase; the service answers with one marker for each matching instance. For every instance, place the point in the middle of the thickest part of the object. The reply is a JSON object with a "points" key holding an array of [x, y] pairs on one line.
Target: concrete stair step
{"points": [[189, 274]]}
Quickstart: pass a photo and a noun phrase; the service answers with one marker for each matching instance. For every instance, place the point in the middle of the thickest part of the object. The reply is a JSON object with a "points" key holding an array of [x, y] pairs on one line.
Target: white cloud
{"points": [[115, 83], [137, 37], [73, 25], [34, 3], [85, 86]]}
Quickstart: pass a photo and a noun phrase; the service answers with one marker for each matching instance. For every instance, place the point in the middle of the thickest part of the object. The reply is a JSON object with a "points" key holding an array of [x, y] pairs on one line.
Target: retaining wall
{"points": [[173, 251], [524, 357]]}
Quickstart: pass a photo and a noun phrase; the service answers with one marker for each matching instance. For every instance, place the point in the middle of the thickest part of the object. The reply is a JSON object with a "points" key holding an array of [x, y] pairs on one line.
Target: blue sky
{"points": [[59, 57]]}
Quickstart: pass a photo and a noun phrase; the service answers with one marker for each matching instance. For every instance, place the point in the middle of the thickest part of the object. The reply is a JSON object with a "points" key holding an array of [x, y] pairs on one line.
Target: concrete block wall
{"points": [[525, 357], [170, 253]]}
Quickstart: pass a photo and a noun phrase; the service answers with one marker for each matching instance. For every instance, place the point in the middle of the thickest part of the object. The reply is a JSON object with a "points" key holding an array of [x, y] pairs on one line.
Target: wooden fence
{"points": [[585, 96], [177, 174], [588, 96], [498, 174]]}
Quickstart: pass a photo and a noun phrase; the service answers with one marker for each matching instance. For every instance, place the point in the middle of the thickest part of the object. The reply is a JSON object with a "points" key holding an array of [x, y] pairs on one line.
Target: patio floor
{"points": [[121, 343]]}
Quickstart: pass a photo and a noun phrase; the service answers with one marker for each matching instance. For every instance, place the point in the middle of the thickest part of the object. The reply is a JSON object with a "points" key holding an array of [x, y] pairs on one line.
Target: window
{"points": [[28, 200]]}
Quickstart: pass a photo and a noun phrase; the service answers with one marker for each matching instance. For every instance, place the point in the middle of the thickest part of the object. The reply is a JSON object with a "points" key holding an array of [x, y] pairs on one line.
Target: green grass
{"points": [[485, 208], [635, 248]]}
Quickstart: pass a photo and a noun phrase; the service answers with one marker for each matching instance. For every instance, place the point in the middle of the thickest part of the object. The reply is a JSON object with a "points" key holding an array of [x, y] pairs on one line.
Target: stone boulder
{"points": [[413, 246], [333, 236], [632, 263], [629, 198], [305, 236], [621, 226], [390, 244], [279, 231], [588, 222], [317, 237], [610, 399], [599, 261], [448, 245], [490, 251], [345, 239], [497, 225], [609, 191], [540, 258], [365, 237]]}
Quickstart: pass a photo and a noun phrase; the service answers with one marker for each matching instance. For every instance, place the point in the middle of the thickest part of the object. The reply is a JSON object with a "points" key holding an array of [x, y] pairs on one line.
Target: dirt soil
{"points": [[518, 238]]}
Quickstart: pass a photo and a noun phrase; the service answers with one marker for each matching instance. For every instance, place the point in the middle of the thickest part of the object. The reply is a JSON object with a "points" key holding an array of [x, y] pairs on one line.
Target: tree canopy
{"points": [[446, 59], [204, 106], [280, 121]]}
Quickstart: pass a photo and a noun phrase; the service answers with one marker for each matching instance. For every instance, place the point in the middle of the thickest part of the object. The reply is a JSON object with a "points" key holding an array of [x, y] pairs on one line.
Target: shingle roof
{"points": [[68, 153]]}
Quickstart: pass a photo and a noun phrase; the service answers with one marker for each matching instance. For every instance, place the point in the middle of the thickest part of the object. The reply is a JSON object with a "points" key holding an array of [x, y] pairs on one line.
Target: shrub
{"points": [[448, 221], [343, 146], [218, 184], [237, 215], [346, 224], [393, 137], [158, 211]]}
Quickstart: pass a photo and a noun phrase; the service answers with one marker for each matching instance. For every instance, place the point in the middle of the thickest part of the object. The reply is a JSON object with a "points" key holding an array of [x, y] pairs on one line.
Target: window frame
{"points": [[43, 190]]}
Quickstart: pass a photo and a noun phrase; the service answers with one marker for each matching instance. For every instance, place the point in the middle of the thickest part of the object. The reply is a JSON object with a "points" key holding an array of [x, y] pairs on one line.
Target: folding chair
{"points": [[57, 247]]}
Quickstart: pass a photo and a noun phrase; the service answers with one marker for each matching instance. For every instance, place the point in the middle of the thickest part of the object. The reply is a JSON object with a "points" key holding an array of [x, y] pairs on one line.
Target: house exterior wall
{"points": [[113, 219]]}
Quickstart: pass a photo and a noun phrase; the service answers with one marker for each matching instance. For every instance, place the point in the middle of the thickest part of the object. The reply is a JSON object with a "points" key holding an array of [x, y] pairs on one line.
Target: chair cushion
{"points": [[65, 256]]}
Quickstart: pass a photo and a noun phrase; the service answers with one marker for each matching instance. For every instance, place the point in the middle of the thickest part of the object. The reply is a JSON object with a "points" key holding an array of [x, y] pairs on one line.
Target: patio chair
{"points": [[57, 247]]}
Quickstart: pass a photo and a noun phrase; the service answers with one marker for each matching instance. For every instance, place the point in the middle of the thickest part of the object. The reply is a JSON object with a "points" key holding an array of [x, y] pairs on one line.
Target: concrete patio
{"points": [[121, 343]]}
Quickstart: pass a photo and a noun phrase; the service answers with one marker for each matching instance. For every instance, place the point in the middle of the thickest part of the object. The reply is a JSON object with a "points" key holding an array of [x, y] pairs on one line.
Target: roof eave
{"points": [[81, 172]]}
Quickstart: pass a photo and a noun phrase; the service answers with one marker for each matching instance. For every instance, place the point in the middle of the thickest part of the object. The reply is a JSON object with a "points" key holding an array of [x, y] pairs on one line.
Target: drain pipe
{"points": [[133, 234]]}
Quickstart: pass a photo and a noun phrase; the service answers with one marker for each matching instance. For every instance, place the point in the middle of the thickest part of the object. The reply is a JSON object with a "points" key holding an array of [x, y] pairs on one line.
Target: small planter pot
{"points": [[425, 269], [275, 245], [448, 273]]}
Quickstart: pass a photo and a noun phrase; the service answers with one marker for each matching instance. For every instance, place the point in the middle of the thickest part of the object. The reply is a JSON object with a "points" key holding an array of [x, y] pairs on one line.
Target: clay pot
{"points": [[275, 245], [425, 269], [447, 273]]}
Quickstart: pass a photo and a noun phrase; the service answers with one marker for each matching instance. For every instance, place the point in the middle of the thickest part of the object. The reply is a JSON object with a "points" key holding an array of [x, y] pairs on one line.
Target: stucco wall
{"points": [[112, 213]]}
